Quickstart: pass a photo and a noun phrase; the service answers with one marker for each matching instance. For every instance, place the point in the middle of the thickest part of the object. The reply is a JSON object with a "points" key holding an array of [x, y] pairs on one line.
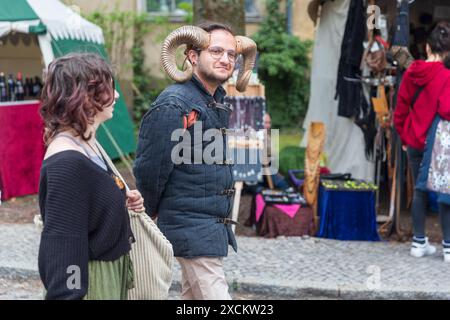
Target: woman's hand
{"points": [[135, 201]]}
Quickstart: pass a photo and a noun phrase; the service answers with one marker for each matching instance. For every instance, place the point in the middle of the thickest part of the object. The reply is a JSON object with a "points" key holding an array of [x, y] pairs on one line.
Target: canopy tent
{"points": [[32, 34], [60, 30]]}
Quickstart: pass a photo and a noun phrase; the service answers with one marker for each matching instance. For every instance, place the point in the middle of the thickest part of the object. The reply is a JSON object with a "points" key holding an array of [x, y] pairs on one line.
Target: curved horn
{"points": [[246, 47], [183, 35]]}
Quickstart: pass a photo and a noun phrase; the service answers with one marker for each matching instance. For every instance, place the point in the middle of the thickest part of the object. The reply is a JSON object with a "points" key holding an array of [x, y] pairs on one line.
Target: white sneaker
{"points": [[446, 254], [419, 250]]}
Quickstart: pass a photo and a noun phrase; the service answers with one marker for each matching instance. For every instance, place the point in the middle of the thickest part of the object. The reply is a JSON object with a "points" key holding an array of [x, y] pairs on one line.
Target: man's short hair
{"points": [[210, 26]]}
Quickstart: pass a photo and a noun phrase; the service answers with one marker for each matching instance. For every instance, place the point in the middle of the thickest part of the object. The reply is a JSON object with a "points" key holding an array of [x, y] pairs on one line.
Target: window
{"points": [[250, 8], [173, 7], [166, 6]]}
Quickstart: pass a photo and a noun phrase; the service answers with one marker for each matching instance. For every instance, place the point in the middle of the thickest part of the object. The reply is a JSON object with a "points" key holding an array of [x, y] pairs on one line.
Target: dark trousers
{"points": [[420, 201], [420, 198]]}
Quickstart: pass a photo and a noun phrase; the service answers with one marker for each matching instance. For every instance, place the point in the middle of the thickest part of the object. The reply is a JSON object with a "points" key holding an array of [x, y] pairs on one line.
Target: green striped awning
{"points": [[17, 10]]}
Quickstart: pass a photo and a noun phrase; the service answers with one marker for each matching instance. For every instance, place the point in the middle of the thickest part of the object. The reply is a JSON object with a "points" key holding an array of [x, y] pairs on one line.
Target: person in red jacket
{"points": [[423, 93]]}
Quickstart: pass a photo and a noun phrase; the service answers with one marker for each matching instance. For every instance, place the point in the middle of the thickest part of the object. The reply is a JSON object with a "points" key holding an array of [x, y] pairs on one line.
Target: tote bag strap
{"points": [[416, 96], [111, 165]]}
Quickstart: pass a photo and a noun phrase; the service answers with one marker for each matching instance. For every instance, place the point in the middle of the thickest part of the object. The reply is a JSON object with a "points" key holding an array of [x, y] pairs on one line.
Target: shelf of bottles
{"points": [[15, 90]]}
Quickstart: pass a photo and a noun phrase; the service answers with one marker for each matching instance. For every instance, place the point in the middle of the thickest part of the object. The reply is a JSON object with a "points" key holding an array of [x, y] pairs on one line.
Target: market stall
{"points": [[359, 57], [32, 34]]}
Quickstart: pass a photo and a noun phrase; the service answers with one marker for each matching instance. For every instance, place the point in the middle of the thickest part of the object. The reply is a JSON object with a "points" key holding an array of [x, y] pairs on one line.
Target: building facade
{"points": [[301, 26]]}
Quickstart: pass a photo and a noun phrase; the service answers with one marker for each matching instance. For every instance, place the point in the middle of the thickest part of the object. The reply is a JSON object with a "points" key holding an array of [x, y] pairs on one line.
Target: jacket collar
{"points": [[218, 95]]}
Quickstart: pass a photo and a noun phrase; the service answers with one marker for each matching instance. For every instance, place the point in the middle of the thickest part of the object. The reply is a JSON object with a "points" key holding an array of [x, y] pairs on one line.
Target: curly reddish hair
{"points": [[77, 86]]}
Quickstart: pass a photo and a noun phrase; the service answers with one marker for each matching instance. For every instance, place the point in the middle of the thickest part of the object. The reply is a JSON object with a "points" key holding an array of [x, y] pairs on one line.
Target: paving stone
{"points": [[293, 267]]}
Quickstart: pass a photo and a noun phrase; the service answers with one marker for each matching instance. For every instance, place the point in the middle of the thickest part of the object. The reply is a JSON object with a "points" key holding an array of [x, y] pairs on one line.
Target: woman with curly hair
{"points": [[85, 243]]}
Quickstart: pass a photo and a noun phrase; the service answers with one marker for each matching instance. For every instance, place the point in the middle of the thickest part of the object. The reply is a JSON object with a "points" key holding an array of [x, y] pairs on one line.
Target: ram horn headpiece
{"points": [[199, 38]]}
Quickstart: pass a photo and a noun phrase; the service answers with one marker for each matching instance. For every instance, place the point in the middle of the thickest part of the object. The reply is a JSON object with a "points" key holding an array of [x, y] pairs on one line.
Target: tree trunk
{"points": [[231, 12]]}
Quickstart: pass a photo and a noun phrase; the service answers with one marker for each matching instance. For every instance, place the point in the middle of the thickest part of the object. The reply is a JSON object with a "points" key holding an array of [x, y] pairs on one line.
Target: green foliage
{"points": [[283, 68], [291, 157], [142, 82], [118, 27], [287, 139], [189, 11], [147, 88]]}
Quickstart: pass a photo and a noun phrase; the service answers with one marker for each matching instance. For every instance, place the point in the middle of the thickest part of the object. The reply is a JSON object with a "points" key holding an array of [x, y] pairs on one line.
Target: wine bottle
{"points": [[3, 89], [11, 87], [20, 92], [37, 86], [28, 87]]}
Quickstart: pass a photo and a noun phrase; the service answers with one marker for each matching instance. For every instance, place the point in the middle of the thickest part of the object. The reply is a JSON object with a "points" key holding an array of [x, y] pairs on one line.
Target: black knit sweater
{"points": [[85, 218]]}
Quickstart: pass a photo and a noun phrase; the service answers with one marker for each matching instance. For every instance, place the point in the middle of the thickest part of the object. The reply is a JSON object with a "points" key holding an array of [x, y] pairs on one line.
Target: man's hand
{"points": [[405, 148]]}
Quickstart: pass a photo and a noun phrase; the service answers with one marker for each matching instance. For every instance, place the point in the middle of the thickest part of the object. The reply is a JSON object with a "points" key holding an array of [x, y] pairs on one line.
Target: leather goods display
{"points": [[376, 57]]}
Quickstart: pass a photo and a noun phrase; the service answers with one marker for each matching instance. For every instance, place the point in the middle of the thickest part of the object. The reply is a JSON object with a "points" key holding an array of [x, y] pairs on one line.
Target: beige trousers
{"points": [[203, 279]]}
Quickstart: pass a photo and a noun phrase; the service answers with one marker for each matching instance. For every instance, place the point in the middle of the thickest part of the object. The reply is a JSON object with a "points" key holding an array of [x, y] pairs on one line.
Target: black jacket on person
{"points": [[189, 198]]}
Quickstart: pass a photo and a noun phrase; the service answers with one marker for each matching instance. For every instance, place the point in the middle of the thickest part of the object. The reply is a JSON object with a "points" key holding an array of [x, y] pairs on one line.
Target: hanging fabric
{"points": [[344, 147], [248, 112], [352, 49]]}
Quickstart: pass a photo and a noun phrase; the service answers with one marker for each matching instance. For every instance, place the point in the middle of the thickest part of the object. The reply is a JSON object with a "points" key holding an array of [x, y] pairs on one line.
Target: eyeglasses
{"points": [[217, 53]]}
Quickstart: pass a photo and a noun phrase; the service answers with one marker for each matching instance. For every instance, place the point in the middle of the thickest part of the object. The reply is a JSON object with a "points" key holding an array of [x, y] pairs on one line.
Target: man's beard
{"points": [[211, 77]]}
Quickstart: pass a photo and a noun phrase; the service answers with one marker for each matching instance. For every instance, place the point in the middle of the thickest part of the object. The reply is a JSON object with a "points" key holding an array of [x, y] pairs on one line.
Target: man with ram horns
{"points": [[185, 185]]}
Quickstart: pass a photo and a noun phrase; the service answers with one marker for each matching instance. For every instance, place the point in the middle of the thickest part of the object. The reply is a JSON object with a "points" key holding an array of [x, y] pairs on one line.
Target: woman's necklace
{"points": [[116, 179], [98, 154]]}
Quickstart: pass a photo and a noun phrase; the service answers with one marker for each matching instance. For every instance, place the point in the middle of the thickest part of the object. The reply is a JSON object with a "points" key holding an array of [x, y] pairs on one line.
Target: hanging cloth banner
{"points": [[401, 37]]}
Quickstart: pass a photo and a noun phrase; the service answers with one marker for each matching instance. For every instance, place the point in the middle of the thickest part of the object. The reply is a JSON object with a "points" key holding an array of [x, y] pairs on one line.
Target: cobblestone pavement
{"points": [[31, 289], [283, 268]]}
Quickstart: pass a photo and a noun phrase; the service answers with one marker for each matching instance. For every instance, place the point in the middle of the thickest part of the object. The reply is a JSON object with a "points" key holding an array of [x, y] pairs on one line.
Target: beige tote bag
{"points": [[152, 254]]}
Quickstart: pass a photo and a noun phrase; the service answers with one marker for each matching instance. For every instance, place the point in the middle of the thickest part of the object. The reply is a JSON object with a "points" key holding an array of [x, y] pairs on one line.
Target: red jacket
{"points": [[413, 125]]}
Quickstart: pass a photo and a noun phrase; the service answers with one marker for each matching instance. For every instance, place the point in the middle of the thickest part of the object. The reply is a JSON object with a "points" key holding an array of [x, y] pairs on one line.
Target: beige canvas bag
{"points": [[152, 254]]}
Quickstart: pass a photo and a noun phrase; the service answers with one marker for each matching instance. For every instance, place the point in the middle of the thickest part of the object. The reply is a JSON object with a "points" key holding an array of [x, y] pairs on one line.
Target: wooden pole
{"points": [[388, 225], [237, 198], [268, 177]]}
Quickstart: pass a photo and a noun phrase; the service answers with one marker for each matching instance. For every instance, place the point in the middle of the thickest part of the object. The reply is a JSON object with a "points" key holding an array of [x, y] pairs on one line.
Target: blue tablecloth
{"points": [[347, 215]]}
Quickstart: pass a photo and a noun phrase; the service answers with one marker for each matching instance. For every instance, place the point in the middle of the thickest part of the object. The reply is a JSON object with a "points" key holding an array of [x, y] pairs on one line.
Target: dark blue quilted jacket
{"points": [[191, 198]]}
